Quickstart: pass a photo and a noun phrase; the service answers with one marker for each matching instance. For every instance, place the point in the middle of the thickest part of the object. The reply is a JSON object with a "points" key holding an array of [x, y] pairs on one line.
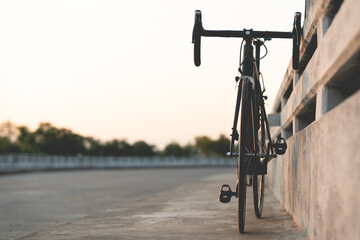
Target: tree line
{"points": [[50, 140]]}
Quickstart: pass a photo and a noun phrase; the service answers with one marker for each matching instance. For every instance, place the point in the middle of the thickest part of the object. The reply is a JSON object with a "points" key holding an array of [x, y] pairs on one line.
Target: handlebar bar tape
{"points": [[196, 37]]}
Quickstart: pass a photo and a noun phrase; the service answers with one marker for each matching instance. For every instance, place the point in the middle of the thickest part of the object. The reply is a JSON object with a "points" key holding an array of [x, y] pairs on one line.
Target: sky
{"points": [[124, 69]]}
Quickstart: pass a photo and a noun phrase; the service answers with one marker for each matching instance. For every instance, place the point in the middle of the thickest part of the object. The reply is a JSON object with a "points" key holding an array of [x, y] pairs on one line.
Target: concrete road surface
{"points": [[132, 204], [34, 201]]}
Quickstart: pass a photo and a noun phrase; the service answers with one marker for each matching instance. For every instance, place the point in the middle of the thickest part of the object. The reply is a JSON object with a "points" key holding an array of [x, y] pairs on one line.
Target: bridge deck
{"points": [[190, 211]]}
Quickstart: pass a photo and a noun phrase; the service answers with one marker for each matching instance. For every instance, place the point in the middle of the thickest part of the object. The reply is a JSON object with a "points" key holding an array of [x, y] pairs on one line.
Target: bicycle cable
{"points": [[241, 47], [262, 80], [241, 62], [262, 44]]}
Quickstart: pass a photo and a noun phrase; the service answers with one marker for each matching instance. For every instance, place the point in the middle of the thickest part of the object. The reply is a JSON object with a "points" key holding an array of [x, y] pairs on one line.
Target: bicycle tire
{"points": [[258, 192], [259, 180], [245, 144]]}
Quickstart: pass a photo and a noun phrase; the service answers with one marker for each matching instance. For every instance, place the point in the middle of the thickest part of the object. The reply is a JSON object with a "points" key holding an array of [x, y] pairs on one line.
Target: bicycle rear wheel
{"points": [[259, 180], [245, 146], [258, 190]]}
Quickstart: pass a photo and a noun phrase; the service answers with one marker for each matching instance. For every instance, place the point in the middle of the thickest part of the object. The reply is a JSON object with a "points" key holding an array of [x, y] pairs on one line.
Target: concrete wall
{"points": [[318, 108], [11, 163]]}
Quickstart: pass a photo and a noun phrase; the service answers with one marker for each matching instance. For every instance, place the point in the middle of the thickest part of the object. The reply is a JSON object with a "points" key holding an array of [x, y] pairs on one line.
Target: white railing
{"points": [[26, 162]]}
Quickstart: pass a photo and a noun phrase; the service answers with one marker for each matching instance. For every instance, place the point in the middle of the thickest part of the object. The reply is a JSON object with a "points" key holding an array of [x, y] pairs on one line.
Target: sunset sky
{"points": [[124, 69]]}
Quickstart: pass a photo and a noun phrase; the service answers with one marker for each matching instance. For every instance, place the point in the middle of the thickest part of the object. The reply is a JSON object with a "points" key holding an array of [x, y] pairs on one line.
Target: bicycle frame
{"points": [[248, 71], [250, 68]]}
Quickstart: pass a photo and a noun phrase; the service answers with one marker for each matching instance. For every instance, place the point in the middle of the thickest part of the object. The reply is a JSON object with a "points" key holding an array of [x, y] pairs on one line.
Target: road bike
{"points": [[255, 147]]}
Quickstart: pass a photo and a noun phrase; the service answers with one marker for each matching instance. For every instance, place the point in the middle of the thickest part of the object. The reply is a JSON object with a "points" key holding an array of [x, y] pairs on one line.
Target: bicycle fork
{"points": [[247, 70], [235, 135]]}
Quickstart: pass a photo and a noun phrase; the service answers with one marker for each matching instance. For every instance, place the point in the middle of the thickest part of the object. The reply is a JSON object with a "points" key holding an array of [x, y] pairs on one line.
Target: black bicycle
{"points": [[255, 147]]}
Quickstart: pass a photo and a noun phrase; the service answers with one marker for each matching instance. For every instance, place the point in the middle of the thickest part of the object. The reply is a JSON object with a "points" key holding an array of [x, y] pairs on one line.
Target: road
{"points": [[35, 201]]}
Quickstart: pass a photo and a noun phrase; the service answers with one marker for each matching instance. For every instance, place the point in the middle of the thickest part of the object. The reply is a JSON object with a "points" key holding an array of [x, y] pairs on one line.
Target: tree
{"points": [[26, 140], [204, 144], [93, 147], [8, 136], [209, 147], [51, 140], [189, 150], [125, 148], [141, 148], [117, 148], [222, 145], [173, 149], [48, 139], [6, 146], [9, 130]]}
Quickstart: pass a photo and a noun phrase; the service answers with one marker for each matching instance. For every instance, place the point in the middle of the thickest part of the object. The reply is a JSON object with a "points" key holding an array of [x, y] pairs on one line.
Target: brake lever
{"points": [[196, 37], [297, 27]]}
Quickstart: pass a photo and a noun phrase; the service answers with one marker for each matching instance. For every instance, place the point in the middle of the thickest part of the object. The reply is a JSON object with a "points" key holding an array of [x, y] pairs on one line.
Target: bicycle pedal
{"points": [[280, 146], [226, 194]]}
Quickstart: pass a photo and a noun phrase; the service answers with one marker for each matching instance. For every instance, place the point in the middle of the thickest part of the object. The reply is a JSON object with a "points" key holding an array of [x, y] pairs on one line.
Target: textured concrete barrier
{"points": [[317, 110], [24, 162]]}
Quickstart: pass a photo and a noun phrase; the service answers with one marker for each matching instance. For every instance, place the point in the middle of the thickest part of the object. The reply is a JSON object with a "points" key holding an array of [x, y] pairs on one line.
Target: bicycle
{"points": [[255, 146]]}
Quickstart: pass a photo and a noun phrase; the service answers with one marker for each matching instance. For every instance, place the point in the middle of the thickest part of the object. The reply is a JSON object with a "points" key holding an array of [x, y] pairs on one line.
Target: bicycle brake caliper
{"points": [[235, 134]]}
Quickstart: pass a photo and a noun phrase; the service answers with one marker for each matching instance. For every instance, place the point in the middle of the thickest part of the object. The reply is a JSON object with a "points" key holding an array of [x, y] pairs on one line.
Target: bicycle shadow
{"points": [[275, 222]]}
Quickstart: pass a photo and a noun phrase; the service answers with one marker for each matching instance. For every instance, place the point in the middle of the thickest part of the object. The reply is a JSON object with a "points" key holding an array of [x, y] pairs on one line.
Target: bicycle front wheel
{"points": [[245, 146]]}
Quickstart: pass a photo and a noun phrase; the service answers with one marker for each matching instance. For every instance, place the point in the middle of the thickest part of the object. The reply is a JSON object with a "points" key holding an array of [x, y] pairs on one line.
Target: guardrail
{"points": [[317, 111], [24, 162]]}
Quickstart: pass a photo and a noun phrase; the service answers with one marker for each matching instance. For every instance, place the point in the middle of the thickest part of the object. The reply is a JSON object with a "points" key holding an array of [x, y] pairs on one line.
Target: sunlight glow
{"points": [[124, 69]]}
